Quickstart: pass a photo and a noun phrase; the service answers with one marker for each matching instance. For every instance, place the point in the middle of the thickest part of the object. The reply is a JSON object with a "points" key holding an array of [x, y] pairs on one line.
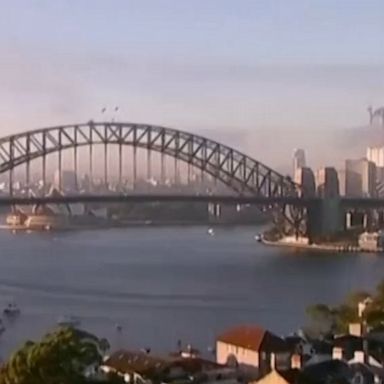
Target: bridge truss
{"points": [[238, 171], [242, 174]]}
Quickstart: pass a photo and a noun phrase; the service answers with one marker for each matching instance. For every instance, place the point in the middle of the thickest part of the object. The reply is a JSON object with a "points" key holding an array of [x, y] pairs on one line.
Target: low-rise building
{"points": [[371, 241], [140, 367], [254, 349]]}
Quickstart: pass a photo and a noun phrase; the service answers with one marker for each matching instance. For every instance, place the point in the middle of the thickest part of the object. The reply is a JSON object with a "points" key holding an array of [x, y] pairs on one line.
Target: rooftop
{"points": [[144, 364], [254, 338]]}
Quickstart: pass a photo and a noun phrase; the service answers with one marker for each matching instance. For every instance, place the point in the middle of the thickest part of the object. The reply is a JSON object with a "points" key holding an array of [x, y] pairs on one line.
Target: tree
{"points": [[336, 319], [62, 357], [323, 318]]}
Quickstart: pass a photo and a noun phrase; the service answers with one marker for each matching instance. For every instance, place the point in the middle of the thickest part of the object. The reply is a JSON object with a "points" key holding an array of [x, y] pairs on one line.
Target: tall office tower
{"points": [[327, 182], [366, 171], [298, 160]]}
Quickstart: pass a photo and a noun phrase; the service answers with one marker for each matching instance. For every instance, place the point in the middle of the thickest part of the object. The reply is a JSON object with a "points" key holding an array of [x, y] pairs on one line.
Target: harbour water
{"points": [[162, 284]]}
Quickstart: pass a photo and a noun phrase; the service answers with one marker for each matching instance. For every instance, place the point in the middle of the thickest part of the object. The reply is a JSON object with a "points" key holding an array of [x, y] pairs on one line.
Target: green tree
{"points": [[325, 319], [61, 357]]}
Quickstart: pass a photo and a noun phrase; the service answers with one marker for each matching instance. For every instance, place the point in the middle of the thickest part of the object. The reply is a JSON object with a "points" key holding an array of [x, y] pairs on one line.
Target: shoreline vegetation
{"points": [[361, 307], [69, 355]]}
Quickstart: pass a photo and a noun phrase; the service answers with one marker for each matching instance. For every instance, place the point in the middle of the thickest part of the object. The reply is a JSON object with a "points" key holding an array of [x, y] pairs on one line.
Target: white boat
{"points": [[259, 238], [211, 232], [11, 310], [68, 321]]}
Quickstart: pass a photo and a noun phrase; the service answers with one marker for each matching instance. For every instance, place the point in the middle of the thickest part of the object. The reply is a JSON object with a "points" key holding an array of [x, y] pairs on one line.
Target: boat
{"points": [[11, 310], [211, 232], [68, 321], [259, 238]]}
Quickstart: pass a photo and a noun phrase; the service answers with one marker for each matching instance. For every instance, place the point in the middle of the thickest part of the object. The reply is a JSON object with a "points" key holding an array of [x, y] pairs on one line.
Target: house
{"points": [[140, 367], [345, 346], [254, 349]]}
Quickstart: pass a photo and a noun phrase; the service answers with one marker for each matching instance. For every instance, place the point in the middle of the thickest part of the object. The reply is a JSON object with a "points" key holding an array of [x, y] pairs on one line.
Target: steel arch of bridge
{"points": [[236, 170]]}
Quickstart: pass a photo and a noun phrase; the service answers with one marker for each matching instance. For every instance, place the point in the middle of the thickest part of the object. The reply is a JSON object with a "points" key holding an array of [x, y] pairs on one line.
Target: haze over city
{"points": [[192, 192], [248, 73]]}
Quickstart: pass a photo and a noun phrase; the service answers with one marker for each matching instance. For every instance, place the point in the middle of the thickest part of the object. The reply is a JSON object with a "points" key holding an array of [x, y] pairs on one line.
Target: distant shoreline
{"points": [[130, 224], [317, 247]]}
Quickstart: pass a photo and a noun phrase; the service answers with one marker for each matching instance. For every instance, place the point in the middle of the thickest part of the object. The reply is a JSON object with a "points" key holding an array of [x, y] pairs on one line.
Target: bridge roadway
{"points": [[364, 203]]}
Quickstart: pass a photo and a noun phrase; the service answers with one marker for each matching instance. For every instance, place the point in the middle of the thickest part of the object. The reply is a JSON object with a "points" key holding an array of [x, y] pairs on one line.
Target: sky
{"points": [[263, 75]]}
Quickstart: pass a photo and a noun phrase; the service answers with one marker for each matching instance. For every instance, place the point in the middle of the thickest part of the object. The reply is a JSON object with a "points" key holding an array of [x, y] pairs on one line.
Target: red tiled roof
{"points": [[125, 361], [254, 338]]}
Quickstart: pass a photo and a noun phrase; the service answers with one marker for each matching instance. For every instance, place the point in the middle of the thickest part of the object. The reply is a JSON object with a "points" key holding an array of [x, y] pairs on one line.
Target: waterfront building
{"points": [[298, 159], [254, 349], [327, 183], [367, 171], [371, 241], [305, 177]]}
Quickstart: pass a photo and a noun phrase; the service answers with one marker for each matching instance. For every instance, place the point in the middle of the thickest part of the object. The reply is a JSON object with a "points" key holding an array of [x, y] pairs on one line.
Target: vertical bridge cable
{"points": [[60, 158], [120, 159], [149, 163], [10, 176], [105, 157], [27, 165], [90, 154], [75, 157], [44, 164], [134, 155]]}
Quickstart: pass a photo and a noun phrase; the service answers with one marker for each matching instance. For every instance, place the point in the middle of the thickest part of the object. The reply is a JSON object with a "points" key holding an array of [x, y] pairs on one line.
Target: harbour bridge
{"points": [[249, 180]]}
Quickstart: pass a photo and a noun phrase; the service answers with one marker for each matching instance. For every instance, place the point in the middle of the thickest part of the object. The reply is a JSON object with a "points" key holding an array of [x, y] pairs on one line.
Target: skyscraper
{"points": [[376, 155], [305, 177], [367, 171], [327, 182], [298, 160]]}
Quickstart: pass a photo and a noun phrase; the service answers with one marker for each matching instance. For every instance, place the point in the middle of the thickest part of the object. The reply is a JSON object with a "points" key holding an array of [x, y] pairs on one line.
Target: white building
{"points": [[371, 241], [253, 349]]}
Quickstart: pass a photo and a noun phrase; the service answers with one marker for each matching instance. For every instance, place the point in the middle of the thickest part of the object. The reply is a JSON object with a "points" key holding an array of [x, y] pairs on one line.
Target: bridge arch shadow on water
{"points": [[241, 173]]}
